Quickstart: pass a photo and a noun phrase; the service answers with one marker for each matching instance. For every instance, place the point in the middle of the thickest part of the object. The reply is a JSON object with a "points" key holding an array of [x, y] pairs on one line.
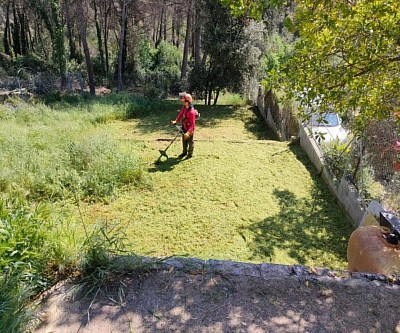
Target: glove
{"points": [[186, 136], [173, 122]]}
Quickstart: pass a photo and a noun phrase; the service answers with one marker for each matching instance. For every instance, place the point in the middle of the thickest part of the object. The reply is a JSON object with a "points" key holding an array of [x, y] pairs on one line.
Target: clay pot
{"points": [[369, 251]]}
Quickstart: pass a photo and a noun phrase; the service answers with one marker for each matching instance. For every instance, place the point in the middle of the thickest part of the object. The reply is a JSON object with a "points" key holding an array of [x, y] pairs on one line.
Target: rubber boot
{"points": [[184, 148]]}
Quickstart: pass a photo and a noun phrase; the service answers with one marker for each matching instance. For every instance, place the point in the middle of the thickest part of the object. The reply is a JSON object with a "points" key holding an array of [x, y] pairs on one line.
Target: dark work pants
{"points": [[188, 146]]}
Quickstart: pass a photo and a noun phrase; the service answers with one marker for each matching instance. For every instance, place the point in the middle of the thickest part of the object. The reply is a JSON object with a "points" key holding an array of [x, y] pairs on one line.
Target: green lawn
{"points": [[243, 196]]}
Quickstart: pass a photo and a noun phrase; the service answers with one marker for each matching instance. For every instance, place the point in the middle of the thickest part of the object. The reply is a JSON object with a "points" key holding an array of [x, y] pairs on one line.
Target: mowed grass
{"points": [[243, 197]]}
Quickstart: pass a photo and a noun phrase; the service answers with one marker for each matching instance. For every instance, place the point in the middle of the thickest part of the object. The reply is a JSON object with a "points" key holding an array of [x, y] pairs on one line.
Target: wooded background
{"points": [[159, 47]]}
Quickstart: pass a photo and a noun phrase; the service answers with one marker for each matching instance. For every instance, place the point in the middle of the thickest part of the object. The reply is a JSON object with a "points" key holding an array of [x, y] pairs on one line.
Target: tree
{"points": [[6, 38], [122, 42], [347, 56], [55, 28], [227, 48], [187, 40], [58, 40], [82, 32]]}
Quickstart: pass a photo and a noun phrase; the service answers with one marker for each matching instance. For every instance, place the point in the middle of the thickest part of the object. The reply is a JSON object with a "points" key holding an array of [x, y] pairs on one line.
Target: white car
{"points": [[327, 128]]}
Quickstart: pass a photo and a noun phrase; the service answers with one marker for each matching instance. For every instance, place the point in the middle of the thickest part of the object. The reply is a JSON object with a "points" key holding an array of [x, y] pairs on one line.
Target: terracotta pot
{"points": [[368, 251]]}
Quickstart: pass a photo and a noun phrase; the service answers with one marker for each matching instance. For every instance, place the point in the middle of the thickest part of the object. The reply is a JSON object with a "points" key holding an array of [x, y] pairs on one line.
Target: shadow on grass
{"points": [[165, 165], [308, 230], [258, 127]]}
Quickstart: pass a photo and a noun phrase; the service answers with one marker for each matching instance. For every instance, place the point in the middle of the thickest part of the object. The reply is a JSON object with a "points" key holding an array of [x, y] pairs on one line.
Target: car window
{"points": [[328, 119]]}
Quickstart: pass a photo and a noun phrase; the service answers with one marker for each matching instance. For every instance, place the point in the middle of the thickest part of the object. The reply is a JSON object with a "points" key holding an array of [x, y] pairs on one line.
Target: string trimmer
{"points": [[163, 153]]}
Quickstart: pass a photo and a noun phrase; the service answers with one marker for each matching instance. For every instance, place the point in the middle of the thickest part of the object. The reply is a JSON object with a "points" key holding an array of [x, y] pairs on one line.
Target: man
{"points": [[187, 114]]}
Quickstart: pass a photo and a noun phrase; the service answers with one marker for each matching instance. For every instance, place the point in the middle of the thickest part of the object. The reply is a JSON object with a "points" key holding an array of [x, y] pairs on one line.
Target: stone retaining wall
{"points": [[275, 271]]}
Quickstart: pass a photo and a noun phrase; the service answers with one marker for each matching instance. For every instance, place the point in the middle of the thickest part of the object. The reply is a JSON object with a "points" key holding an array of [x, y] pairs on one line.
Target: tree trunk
{"points": [[173, 30], [16, 33], [165, 21], [176, 26], [186, 46], [6, 41], [99, 41], [82, 32], [31, 42], [107, 9], [196, 39], [216, 97], [71, 42], [121, 44], [160, 27], [39, 39], [23, 29], [58, 41]]}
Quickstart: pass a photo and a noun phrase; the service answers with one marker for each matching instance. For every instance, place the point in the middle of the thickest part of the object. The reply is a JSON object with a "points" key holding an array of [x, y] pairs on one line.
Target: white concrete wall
{"points": [[347, 195]]}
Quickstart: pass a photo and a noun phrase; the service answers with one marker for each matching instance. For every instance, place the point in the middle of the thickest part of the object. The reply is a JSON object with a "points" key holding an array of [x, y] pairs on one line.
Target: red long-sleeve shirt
{"points": [[188, 117]]}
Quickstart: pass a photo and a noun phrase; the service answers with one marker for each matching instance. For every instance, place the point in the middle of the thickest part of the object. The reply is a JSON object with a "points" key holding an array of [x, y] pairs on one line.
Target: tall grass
{"points": [[34, 254], [25, 250], [50, 155]]}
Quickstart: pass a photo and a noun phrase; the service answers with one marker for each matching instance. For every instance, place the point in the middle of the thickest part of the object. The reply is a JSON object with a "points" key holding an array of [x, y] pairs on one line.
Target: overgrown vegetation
{"points": [[51, 155]]}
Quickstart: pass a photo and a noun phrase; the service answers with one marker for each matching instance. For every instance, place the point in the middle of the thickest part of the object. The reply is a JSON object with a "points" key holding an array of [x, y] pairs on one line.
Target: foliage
{"points": [[144, 58], [251, 8], [380, 144], [165, 70], [50, 13], [347, 54], [336, 157], [23, 238], [33, 256], [391, 197], [228, 50], [101, 263], [14, 298], [276, 55]]}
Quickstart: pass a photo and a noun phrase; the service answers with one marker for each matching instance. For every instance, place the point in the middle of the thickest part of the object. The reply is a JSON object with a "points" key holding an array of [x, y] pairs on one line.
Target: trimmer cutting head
{"points": [[163, 153]]}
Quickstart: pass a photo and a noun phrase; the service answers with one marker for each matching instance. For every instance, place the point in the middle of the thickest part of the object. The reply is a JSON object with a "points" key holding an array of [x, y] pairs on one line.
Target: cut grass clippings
{"points": [[242, 197]]}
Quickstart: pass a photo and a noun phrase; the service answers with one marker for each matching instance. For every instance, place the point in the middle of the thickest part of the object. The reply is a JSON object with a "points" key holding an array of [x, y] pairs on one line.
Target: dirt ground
{"points": [[231, 298]]}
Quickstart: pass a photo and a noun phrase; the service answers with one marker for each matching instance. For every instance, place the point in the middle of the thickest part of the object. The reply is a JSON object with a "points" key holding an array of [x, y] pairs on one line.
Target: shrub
{"points": [[165, 70], [336, 157]]}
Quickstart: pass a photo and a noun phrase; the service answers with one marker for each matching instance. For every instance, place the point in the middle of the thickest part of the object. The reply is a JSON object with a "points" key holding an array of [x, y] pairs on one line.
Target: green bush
{"points": [[336, 157], [165, 71]]}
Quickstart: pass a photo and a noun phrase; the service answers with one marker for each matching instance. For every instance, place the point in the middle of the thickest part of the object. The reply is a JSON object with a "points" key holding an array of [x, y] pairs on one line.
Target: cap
{"points": [[188, 98]]}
